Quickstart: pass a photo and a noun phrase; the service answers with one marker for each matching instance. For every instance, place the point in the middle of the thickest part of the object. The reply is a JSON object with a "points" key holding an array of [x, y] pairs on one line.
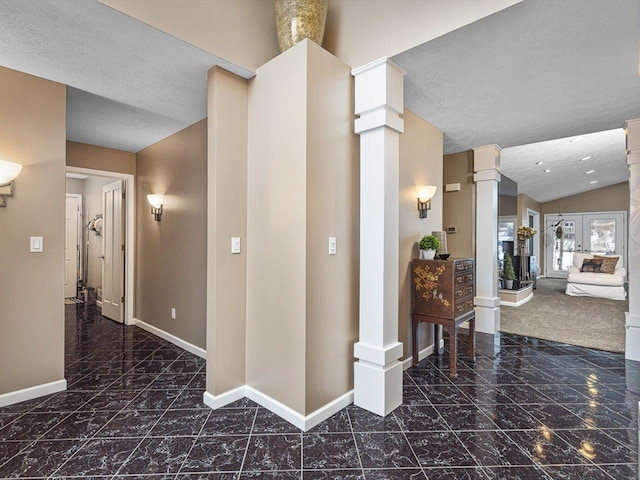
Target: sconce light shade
{"points": [[156, 202], [425, 194], [9, 171]]}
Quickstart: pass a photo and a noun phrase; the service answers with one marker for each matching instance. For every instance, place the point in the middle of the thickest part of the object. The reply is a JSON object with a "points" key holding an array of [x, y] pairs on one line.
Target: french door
{"points": [[595, 233]]}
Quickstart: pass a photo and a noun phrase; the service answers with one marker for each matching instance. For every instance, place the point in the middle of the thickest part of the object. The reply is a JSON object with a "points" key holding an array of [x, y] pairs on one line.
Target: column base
{"points": [[632, 343], [487, 314], [378, 388]]}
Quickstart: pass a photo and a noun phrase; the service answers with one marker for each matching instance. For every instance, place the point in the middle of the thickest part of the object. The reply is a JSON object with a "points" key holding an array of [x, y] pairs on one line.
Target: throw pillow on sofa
{"points": [[592, 265], [608, 264]]}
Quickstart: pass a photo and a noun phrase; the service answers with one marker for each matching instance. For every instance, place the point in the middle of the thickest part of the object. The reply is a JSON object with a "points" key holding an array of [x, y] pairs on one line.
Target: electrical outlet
{"points": [[173, 313]]}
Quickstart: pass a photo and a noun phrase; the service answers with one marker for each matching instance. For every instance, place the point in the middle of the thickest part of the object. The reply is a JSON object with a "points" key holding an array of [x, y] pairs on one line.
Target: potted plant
{"points": [[428, 246], [508, 274]]}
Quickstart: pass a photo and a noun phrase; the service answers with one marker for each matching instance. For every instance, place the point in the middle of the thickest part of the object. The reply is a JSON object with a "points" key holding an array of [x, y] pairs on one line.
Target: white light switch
{"points": [[235, 244], [332, 245], [37, 244]]}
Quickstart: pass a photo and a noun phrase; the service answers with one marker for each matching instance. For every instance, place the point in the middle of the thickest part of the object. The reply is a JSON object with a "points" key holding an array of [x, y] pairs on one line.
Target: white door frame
{"points": [[80, 237], [536, 238], [130, 234]]}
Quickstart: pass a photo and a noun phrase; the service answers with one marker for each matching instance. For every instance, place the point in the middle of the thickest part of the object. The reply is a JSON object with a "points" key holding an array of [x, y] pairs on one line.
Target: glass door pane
{"points": [[603, 233]]}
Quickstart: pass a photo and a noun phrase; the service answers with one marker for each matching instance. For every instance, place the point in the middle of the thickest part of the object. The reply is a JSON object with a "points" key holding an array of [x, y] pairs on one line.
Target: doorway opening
{"points": [[105, 241]]}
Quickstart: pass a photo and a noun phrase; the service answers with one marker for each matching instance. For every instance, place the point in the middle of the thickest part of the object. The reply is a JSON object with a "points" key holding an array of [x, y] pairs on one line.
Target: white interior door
{"points": [[71, 246], [113, 208]]}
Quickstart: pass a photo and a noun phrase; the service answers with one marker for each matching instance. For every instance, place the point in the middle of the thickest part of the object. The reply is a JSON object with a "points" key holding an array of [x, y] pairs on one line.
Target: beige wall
{"points": [[332, 193], [32, 133], [420, 164], [100, 158], [171, 253], [525, 203], [227, 217], [606, 199], [75, 186], [459, 207], [507, 206], [301, 302], [358, 31]]}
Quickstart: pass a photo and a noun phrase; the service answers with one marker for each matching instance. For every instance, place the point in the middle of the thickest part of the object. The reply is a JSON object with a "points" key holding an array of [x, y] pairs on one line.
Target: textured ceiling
{"points": [[537, 71], [131, 85], [567, 173]]}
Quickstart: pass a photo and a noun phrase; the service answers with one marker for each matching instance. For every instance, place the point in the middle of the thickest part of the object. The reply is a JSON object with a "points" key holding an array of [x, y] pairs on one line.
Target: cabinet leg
{"points": [[436, 340], [414, 341], [472, 339], [453, 351]]}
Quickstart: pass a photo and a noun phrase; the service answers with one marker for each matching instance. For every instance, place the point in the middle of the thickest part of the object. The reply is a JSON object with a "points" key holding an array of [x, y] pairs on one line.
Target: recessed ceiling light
{"points": [[593, 181], [590, 172], [585, 158], [539, 163], [575, 139], [547, 170]]}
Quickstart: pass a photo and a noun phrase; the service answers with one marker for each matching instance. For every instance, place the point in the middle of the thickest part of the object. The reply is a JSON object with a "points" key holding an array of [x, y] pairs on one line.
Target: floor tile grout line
{"points": [[89, 439], [415, 456], [355, 441], [246, 448]]}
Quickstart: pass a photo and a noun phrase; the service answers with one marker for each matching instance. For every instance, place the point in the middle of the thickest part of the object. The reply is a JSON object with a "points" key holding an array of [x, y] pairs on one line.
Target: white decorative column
{"points": [[379, 100], [632, 337], [486, 165]]}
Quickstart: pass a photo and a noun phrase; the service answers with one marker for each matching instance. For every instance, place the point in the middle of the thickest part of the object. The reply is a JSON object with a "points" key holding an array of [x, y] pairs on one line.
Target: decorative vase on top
{"points": [[300, 19]]}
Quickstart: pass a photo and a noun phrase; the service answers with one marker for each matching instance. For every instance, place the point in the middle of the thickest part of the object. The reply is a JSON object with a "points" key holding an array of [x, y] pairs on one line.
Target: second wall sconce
{"points": [[8, 173], [156, 202], [425, 194]]}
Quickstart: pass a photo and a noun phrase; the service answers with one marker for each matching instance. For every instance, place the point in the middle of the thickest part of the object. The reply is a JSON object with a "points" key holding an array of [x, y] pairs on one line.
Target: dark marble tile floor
{"points": [[526, 409]]}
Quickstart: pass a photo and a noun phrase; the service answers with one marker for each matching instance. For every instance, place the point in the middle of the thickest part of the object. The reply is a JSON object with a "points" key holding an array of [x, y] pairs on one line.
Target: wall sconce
{"points": [[156, 202], [425, 194], [8, 172]]}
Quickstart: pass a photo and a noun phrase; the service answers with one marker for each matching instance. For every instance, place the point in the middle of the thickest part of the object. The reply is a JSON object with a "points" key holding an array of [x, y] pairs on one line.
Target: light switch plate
{"points": [[333, 246], [37, 245], [235, 244]]}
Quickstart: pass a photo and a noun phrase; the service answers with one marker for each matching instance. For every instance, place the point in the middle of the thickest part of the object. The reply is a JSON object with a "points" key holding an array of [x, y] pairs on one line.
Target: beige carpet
{"points": [[583, 321]]}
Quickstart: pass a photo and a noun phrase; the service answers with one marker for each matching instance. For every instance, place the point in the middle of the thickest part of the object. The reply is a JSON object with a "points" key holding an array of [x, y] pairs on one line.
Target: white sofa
{"points": [[600, 285]]}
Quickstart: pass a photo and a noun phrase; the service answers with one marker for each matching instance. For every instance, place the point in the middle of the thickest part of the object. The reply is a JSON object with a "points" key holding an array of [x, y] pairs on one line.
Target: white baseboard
{"points": [[303, 422], [422, 354], [32, 392], [217, 401], [189, 347]]}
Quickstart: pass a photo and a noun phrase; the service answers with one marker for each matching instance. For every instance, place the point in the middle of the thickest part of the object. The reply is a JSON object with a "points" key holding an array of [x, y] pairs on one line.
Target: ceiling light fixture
{"points": [[547, 170], [539, 163], [590, 172], [585, 158], [593, 181]]}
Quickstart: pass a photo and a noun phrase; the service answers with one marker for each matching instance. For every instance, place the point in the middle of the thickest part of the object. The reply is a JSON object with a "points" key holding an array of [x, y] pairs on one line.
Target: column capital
{"points": [[632, 133], [486, 158], [379, 84]]}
